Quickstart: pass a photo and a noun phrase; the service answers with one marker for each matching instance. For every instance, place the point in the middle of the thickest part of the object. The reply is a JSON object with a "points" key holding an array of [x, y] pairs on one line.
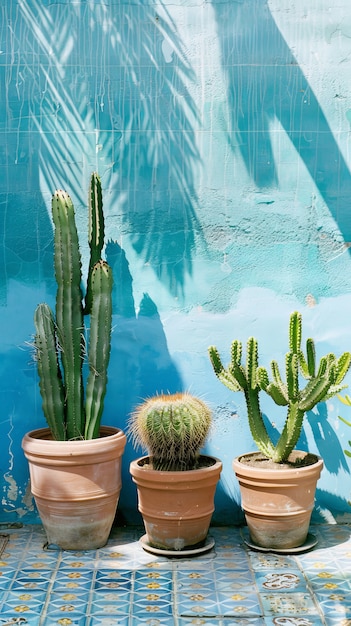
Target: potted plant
{"points": [[176, 484], [75, 464], [278, 483]]}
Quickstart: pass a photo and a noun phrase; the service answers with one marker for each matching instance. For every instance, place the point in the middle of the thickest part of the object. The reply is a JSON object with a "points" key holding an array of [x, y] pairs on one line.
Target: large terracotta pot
{"points": [[278, 502], [76, 485], [176, 506]]}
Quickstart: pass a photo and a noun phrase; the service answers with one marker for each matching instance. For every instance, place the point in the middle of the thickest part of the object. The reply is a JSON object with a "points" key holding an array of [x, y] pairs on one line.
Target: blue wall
{"points": [[221, 131]]}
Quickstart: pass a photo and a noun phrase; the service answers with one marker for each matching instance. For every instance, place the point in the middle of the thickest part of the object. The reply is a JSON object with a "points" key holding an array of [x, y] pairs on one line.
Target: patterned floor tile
{"points": [[290, 604], [203, 577], [237, 604], [262, 561], [115, 596], [157, 608], [123, 585], [335, 602], [70, 580], [281, 580], [6, 579], [112, 579], [29, 618]]}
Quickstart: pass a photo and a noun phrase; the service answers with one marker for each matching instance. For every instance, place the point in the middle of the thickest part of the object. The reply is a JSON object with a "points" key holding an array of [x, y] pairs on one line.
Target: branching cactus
{"points": [[173, 428], [60, 342], [324, 381]]}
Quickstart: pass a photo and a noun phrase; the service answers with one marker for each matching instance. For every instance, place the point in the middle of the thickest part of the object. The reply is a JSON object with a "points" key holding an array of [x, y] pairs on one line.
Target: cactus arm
{"points": [[256, 424], [295, 332], [251, 362], [96, 232], [276, 389], [292, 376], [276, 394], [99, 347], [290, 434], [69, 317], [311, 357], [343, 366], [308, 363], [225, 376], [314, 392], [238, 378], [50, 379]]}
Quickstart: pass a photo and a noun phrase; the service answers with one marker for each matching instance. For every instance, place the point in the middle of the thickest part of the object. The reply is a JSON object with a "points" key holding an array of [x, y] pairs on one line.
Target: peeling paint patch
{"points": [[12, 491]]}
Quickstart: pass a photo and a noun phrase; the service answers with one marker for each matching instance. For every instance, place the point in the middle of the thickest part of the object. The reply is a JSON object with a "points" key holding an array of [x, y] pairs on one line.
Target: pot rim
{"points": [[38, 443], [44, 434], [181, 476], [281, 473]]}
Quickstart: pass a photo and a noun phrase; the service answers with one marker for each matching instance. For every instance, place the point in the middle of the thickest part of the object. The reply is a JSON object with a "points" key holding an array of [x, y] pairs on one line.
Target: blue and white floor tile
{"points": [[123, 585]]}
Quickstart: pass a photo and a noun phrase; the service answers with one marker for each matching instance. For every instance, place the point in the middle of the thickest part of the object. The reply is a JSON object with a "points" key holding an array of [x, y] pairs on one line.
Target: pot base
{"points": [[186, 552], [310, 543]]}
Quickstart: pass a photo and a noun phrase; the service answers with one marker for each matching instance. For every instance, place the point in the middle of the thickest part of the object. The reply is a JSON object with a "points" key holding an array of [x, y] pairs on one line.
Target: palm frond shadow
{"points": [[96, 87], [266, 84]]}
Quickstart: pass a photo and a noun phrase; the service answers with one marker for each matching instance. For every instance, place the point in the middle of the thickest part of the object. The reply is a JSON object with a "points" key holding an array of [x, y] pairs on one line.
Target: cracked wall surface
{"points": [[221, 131]]}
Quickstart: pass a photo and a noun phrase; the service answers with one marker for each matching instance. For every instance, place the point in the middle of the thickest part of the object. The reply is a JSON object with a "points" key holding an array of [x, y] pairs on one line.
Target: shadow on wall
{"points": [[265, 83], [140, 366], [140, 363], [94, 87], [327, 443]]}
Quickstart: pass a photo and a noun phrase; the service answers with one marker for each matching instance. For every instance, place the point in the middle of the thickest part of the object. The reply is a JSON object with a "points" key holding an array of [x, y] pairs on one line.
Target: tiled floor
{"points": [[122, 585]]}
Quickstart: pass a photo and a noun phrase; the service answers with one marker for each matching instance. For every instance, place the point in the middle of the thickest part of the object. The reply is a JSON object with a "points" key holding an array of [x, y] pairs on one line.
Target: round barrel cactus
{"points": [[173, 428]]}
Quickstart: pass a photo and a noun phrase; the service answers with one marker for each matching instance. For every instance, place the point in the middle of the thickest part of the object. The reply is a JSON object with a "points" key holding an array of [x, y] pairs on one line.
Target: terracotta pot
{"points": [[76, 485], [278, 503], [176, 506]]}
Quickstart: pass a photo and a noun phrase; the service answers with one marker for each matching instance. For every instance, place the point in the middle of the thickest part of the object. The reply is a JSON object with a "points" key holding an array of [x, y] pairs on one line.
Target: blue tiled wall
{"points": [[221, 131]]}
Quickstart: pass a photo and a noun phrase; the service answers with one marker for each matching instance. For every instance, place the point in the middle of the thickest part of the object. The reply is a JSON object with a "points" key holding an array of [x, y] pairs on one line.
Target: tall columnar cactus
{"points": [[60, 342], [173, 428], [324, 381]]}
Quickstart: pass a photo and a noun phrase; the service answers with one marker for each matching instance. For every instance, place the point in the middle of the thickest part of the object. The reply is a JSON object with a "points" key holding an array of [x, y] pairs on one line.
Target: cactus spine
{"points": [[173, 428], [323, 383], [60, 343]]}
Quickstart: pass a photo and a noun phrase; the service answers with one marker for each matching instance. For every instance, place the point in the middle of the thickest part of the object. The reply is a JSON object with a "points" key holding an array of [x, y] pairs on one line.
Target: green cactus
{"points": [[324, 382], [60, 342], [173, 428]]}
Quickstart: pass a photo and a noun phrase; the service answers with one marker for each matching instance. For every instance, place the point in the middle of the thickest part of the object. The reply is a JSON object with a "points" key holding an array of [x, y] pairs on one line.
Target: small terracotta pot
{"points": [[76, 485], [278, 503], [176, 506]]}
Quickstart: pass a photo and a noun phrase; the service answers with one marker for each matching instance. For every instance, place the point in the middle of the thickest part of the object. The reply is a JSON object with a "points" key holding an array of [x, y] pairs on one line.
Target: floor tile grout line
{"points": [[252, 571], [89, 602], [20, 563], [29, 547], [311, 592], [43, 612]]}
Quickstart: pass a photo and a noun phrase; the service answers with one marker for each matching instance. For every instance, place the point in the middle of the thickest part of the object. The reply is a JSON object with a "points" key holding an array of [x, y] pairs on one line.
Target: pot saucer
{"points": [[310, 543], [208, 545]]}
